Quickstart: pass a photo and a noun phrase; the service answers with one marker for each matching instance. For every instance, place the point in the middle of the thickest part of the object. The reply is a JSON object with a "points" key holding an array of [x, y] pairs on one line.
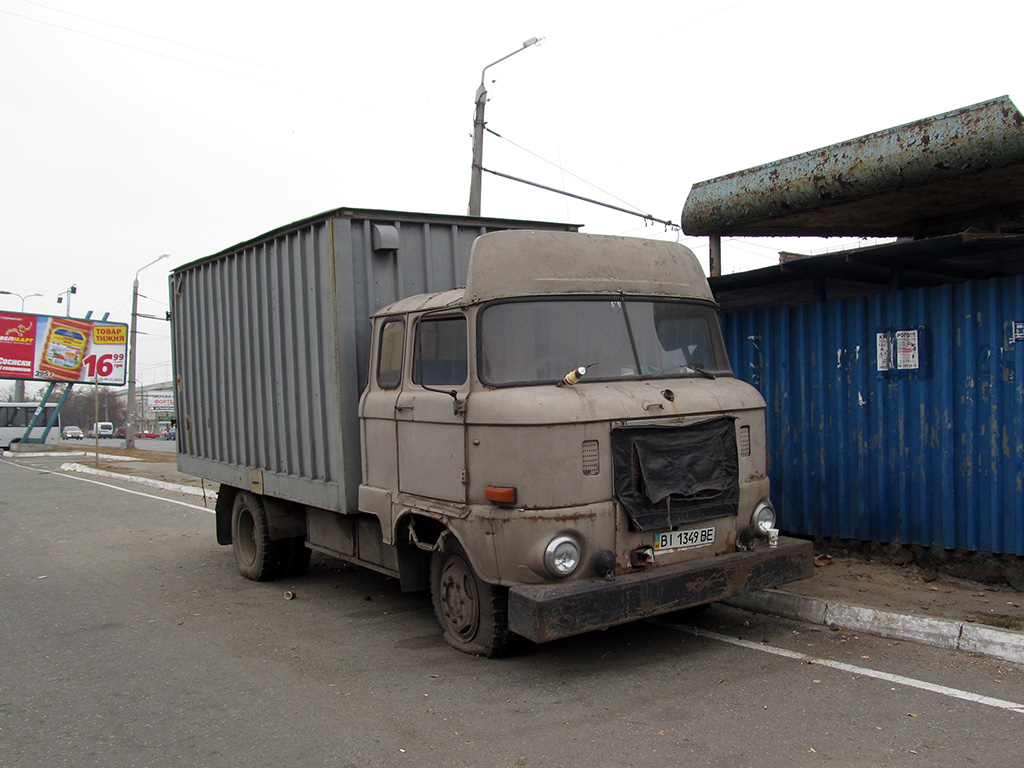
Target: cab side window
{"points": [[440, 359], [389, 354]]}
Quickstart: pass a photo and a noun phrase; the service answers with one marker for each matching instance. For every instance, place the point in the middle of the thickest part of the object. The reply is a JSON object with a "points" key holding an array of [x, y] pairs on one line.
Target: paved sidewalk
{"points": [[897, 601], [902, 602]]}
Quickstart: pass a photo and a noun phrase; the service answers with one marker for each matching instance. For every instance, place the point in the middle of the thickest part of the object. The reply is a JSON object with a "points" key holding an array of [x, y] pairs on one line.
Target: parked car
{"points": [[101, 429], [73, 433], [121, 433]]}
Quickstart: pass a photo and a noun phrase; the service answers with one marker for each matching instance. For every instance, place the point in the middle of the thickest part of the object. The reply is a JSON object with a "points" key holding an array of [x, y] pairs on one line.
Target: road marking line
{"points": [[108, 485], [910, 682]]}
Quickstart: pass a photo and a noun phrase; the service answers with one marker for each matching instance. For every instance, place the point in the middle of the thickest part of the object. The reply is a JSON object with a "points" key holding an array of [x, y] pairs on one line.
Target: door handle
{"points": [[400, 407]]}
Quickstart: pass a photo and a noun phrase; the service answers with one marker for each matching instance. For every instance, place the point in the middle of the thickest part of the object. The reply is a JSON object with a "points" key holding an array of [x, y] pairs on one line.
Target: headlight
{"points": [[562, 556], [764, 518]]}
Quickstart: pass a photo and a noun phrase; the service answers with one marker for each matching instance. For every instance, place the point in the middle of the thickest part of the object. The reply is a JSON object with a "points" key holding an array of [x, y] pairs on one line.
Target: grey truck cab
{"points": [[566, 439], [557, 446]]}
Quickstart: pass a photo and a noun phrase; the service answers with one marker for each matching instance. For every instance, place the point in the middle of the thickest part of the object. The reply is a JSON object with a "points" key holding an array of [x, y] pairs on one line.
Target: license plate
{"points": [[698, 537]]}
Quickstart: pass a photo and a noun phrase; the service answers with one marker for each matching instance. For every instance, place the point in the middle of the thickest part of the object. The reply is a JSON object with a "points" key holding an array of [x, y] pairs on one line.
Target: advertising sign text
{"points": [[44, 348]]}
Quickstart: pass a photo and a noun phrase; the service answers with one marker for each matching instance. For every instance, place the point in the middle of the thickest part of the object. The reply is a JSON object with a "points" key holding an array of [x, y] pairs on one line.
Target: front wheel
{"points": [[472, 613]]}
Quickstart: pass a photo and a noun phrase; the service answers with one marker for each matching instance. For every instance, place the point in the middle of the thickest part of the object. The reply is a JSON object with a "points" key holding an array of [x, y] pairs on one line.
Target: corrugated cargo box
{"points": [[270, 340]]}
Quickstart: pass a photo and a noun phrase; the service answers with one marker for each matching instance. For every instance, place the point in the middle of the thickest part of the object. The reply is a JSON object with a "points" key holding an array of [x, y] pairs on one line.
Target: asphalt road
{"points": [[129, 639]]}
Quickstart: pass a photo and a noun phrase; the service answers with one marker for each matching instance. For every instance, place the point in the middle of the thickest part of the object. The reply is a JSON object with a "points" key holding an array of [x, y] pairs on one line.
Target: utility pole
{"points": [[129, 432], [476, 179]]}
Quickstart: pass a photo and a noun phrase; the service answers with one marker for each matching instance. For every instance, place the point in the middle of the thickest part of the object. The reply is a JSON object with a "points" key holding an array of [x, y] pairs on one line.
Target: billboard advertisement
{"points": [[160, 402], [44, 348]]}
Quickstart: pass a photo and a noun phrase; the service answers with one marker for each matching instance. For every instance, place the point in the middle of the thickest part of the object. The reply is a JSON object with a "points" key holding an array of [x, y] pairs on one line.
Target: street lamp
{"points": [[129, 434], [476, 179], [67, 294], [19, 384], [28, 296]]}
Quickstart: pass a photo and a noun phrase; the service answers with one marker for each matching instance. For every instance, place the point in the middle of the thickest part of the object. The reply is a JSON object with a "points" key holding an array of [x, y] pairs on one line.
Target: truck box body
{"points": [[271, 343]]}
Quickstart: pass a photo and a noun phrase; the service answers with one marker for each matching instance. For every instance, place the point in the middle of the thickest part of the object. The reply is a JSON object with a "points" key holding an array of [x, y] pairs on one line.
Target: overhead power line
{"points": [[646, 216], [635, 209], [559, 166], [319, 94]]}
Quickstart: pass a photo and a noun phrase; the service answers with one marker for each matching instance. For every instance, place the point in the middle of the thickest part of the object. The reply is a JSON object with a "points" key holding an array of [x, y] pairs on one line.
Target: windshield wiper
{"points": [[699, 369]]}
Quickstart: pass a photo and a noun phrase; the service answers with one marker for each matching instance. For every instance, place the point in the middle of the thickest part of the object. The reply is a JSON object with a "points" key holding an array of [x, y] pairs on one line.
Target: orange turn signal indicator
{"points": [[500, 494]]}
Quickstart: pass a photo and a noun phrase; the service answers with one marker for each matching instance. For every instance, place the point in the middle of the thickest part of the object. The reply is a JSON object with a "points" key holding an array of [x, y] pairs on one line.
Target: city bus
{"points": [[15, 417]]}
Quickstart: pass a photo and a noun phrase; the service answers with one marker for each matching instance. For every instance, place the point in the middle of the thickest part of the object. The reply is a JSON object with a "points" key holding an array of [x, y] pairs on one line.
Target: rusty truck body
{"points": [[551, 443]]}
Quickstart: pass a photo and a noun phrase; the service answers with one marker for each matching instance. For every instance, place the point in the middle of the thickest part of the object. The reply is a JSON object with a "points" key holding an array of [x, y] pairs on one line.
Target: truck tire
{"points": [[257, 557], [472, 613]]}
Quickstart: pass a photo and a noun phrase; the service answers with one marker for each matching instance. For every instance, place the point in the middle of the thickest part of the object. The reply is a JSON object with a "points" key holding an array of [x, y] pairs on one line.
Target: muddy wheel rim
{"points": [[459, 599]]}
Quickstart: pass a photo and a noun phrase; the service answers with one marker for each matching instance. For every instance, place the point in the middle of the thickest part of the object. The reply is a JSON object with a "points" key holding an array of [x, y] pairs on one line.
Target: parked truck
{"points": [[538, 426]]}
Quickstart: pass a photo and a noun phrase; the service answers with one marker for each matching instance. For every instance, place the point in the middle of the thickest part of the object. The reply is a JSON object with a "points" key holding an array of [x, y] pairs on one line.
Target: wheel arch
{"points": [[416, 536], [286, 519]]}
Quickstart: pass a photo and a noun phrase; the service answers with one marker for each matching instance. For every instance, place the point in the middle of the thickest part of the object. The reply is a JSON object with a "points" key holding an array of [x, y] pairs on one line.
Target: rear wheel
{"points": [[472, 613], [257, 557]]}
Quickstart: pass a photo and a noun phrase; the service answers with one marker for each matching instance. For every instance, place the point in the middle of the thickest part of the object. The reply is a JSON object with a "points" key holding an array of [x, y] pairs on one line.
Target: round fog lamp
{"points": [[562, 556], [764, 518]]}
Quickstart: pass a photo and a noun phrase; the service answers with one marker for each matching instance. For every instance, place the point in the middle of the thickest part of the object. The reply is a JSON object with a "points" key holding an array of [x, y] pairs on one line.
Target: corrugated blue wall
{"points": [[932, 455]]}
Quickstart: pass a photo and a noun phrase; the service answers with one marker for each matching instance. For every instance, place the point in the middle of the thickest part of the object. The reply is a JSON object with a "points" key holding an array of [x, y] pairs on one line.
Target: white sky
{"points": [[131, 129]]}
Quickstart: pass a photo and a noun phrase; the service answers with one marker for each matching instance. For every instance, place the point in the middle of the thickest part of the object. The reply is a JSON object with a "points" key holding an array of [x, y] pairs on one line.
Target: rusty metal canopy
{"points": [[932, 177]]}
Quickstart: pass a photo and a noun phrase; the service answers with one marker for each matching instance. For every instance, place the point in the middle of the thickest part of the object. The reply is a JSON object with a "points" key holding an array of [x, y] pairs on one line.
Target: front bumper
{"points": [[548, 612]]}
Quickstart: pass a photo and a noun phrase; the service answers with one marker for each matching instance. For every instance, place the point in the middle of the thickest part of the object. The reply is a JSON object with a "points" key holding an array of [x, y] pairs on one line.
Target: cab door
{"points": [[377, 406], [430, 410]]}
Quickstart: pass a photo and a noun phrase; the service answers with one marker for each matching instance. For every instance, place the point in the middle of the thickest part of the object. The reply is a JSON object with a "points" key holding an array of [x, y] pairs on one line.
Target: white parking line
{"points": [[108, 485], [843, 667]]}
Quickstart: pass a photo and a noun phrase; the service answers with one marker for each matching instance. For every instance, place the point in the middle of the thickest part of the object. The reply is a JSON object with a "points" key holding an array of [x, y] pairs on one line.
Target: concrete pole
{"points": [[715, 258], [476, 180], [129, 433]]}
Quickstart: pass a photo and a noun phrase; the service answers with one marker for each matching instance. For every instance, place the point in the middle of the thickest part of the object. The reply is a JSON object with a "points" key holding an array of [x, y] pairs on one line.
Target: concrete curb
{"points": [[66, 454], [162, 485], [1006, 644]]}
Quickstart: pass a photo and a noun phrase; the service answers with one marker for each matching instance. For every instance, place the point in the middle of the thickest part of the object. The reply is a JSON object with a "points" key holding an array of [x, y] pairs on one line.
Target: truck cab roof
{"points": [[519, 263]]}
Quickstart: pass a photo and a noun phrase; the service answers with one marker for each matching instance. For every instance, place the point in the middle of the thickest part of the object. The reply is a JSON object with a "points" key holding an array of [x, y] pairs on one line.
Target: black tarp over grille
{"points": [[670, 475]]}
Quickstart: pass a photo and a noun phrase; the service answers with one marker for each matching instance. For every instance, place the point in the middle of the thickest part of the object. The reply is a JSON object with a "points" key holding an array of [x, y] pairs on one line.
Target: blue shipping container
{"points": [[895, 417]]}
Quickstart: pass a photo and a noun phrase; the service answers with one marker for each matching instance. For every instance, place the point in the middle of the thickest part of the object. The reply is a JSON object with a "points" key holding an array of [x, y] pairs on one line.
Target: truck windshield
{"points": [[540, 341]]}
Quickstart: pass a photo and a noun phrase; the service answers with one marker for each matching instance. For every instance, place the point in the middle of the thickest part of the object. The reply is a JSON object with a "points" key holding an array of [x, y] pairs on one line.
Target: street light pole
{"points": [[67, 295], [129, 433], [19, 384], [476, 178], [27, 296]]}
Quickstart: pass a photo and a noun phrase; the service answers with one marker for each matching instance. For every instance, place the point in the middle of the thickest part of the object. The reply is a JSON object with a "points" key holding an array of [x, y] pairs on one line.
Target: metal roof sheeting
{"points": [[876, 269]]}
